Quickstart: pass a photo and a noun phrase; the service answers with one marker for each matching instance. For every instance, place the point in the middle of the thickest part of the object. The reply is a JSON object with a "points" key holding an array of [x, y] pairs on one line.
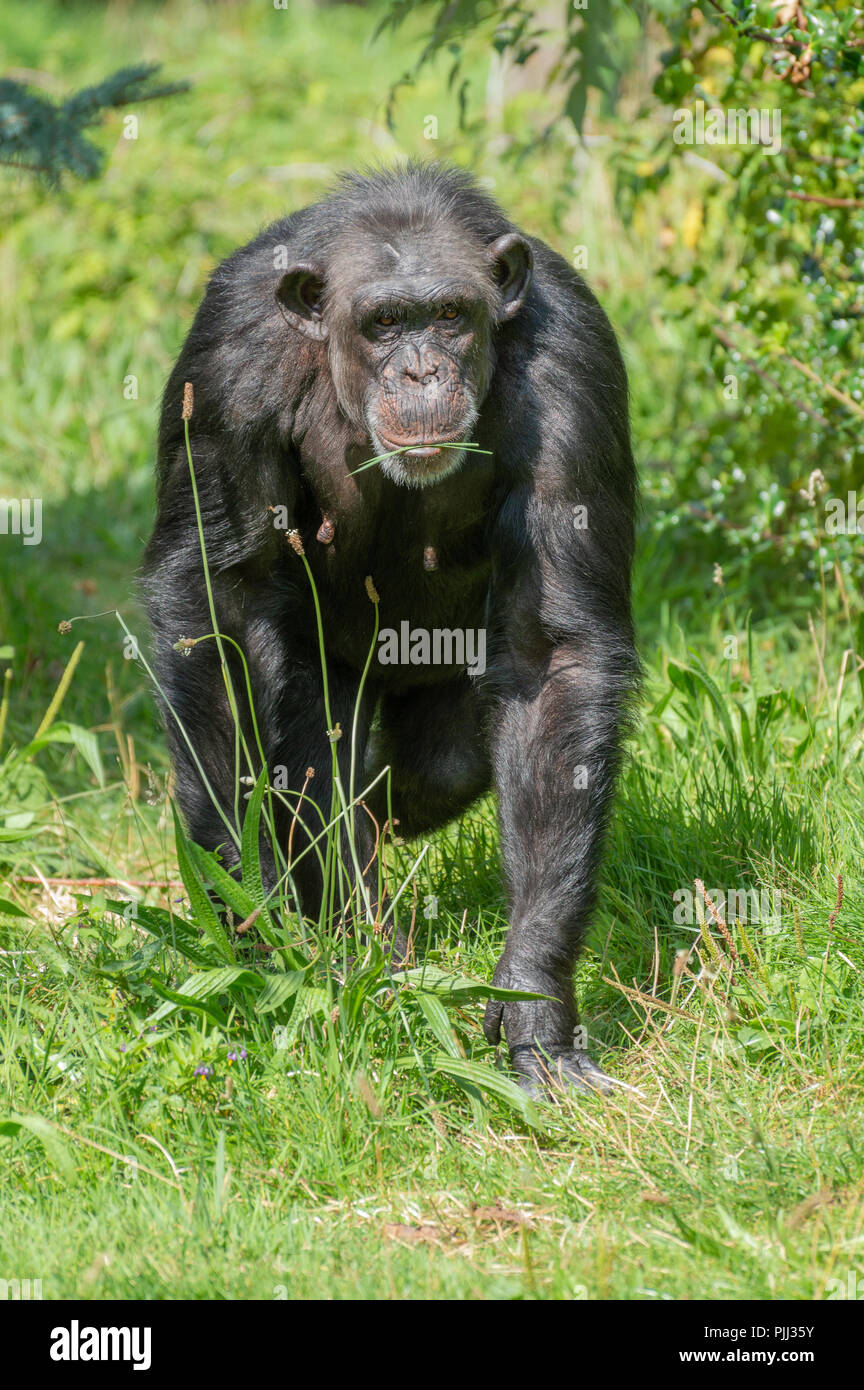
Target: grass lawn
{"points": [[218, 1154]]}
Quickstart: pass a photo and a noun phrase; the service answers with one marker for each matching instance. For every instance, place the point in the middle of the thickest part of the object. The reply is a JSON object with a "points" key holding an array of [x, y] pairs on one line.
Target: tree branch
{"points": [[828, 202]]}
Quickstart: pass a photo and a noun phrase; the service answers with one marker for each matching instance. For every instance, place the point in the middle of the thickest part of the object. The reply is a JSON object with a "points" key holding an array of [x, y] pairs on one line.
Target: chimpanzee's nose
{"points": [[421, 370], [422, 373]]}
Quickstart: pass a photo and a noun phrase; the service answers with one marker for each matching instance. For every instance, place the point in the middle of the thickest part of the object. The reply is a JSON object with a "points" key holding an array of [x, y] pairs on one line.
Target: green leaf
{"points": [[136, 964], [437, 1018], [172, 930], [486, 1078], [10, 909], [206, 984], [278, 989], [232, 892], [9, 836], [175, 1000], [311, 1002], [457, 989], [250, 855], [202, 908], [697, 678], [82, 739], [48, 1137]]}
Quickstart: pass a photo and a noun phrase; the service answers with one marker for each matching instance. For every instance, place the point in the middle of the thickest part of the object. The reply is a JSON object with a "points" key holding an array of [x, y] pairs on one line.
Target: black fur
{"points": [[533, 373]]}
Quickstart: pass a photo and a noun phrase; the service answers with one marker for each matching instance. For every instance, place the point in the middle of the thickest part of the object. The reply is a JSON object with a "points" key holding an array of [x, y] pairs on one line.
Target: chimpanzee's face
{"points": [[410, 324]]}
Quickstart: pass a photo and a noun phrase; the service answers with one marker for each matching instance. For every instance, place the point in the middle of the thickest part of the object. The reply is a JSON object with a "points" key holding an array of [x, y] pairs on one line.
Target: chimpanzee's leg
{"points": [[556, 743]]}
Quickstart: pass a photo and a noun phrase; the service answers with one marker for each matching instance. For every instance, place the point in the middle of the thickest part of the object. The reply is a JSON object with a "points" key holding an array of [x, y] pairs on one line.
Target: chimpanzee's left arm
{"points": [[563, 665]]}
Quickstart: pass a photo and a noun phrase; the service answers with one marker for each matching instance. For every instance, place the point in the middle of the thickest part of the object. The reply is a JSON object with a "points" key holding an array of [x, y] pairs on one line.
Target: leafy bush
{"points": [[761, 246]]}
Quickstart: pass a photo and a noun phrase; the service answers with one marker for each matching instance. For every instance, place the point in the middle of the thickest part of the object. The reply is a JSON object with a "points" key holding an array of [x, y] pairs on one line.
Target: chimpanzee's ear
{"points": [[300, 292], [512, 266]]}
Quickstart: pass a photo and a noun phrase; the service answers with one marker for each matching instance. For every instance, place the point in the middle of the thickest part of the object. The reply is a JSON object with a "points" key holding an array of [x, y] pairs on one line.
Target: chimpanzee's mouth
{"points": [[424, 448], [424, 459]]}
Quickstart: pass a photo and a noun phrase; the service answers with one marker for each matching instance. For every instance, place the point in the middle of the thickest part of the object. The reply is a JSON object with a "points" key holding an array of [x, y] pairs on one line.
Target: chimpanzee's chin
{"points": [[422, 471], [420, 465]]}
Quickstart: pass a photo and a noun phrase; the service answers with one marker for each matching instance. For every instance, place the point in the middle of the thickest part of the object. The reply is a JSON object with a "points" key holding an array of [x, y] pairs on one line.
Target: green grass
{"points": [[346, 1158]]}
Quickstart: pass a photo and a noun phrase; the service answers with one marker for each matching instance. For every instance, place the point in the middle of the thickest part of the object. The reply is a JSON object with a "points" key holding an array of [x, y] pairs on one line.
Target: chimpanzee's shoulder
{"points": [[560, 335], [566, 297]]}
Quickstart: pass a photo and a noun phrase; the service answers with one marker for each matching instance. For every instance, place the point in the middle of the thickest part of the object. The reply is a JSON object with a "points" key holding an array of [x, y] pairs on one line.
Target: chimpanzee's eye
{"points": [[450, 311], [385, 320]]}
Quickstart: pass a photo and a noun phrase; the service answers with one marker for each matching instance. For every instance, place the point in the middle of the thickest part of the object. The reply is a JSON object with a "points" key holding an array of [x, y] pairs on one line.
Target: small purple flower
{"points": [[122, 1047], [237, 1054], [203, 1071]]}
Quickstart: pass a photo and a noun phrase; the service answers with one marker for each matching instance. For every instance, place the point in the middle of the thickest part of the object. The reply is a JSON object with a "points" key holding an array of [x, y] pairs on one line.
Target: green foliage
{"points": [[276, 993], [586, 52], [46, 138], [26, 798], [781, 306]]}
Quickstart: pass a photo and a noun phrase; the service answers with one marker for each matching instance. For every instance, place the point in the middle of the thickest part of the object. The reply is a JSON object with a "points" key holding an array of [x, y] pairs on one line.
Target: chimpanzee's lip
{"points": [[425, 448]]}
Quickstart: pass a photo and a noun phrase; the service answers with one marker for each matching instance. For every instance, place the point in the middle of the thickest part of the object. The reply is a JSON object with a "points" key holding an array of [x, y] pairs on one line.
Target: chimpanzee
{"points": [[402, 316]]}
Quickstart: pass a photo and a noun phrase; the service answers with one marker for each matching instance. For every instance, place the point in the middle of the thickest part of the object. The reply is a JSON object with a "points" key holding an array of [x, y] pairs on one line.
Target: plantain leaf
{"points": [[486, 1078], [250, 854], [205, 984], [279, 988], [232, 893], [10, 909], [202, 908], [456, 989], [44, 1131], [437, 1018], [167, 927]]}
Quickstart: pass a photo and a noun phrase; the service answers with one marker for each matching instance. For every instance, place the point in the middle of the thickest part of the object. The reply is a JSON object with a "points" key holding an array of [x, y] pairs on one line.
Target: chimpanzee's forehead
{"points": [[422, 262]]}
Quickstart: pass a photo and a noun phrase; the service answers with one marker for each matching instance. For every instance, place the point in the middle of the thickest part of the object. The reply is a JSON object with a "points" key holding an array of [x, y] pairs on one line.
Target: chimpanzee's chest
{"points": [[425, 553]]}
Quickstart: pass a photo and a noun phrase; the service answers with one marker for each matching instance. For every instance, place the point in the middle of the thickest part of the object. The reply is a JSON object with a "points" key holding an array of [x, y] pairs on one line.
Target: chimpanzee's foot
{"points": [[542, 1071]]}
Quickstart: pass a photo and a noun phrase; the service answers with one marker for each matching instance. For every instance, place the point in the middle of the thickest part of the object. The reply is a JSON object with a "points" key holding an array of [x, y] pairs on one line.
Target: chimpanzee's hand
{"points": [[540, 1041], [540, 1071]]}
